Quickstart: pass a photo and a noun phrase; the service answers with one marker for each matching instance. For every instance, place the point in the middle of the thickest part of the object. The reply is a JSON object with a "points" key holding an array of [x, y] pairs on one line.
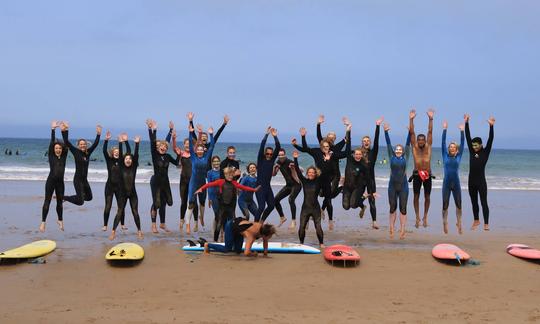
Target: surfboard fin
{"points": [[458, 258]]}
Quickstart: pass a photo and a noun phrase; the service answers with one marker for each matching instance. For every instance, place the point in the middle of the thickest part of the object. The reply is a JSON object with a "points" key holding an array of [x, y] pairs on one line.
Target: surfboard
{"points": [[125, 251], [450, 252], [523, 251], [32, 250], [273, 247], [341, 254]]}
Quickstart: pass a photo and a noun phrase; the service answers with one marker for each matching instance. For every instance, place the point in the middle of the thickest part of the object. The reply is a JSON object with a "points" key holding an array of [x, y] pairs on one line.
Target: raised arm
{"points": [[444, 150], [65, 137], [489, 143], [170, 133], [54, 124], [461, 141], [260, 156], [319, 132], [96, 140], [430, 114], [375, 147], [212, 143], [341, 154], [297, 167], [388, 142], [412, 115], [220, 130], [468, 132], [106, 146], [244, 188], [277, 143]]}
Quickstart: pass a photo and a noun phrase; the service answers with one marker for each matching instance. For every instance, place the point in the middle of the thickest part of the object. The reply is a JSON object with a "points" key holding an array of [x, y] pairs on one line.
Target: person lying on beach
{"points": [[239, 229]]}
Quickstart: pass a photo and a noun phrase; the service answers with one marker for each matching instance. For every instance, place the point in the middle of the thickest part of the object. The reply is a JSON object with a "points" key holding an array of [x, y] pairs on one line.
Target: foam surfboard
{"points": [[341, 254], [273, 247], [126, 252], [29, 251], [450, 252], [523, 251]]}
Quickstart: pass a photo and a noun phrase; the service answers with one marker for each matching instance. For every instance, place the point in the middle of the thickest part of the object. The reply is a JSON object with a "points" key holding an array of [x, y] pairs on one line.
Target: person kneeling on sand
{"points": [[238, 229]]}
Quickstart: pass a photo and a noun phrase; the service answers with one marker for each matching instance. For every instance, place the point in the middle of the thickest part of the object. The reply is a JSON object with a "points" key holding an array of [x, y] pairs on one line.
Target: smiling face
{"points": [[476, 147], [452, 149], [115, 153], [366, 142], [199, 150], [311, 173], [282, 156], [58, 149], [325, 147], [128, 161], [421, 140], [358, 155], [186, 145], [204, 138], [162, 147], [215, 163], [231, 153], [83, 146], [252, 169], [399, 151], [268, 153]]}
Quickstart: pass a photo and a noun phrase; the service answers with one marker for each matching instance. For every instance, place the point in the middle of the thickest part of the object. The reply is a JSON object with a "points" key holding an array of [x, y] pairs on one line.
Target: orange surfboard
{"points": [[523, 251], [341, 254], [450, 252]]}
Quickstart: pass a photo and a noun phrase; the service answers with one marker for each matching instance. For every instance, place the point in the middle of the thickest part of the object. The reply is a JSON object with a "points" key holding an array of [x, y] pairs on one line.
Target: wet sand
{"points": [[397, 281]]}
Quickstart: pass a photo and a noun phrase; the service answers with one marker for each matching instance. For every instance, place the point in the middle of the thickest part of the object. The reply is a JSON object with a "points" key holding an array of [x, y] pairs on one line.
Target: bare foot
{"points": [[188, 228], [154, 228], [445, 228], [196, 227], [124, 227], [113, 235], [164, 227], [292, 226], [402, 235], [330, 225], [60, 225], [281, 221], [322, 246], [42, 227], [362, 211], [486, 227], [391, 232], [475, 225], [140, 235], [424, 222], [459, 229], [104, 228], [417, 223], [374, 225]]}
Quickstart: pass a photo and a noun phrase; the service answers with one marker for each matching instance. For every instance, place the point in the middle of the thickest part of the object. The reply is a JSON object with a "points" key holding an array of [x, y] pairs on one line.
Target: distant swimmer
{"points": [[421, 149], [398, 187], [239, 229], [81, 154], [55, 181], [478, 160], [451, 184]]}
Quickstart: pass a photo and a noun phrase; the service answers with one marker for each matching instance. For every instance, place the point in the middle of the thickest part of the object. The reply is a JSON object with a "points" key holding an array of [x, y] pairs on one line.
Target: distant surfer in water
{"points": [[478, 158], [55, 181]]}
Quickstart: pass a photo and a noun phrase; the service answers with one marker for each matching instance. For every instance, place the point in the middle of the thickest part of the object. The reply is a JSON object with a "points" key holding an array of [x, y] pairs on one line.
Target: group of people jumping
{"points": [[205, 175]]}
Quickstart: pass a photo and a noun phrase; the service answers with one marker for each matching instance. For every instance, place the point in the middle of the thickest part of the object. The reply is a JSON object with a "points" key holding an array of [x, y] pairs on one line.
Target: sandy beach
{"points": [[397, 281]]}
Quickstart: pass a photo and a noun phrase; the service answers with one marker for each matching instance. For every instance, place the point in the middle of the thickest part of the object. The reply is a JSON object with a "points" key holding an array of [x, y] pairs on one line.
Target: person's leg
{"points": [[356, 198], [134, 204], [192, 204], [269, 199], [346, 198], [417, 186], [221, 222], [183, 200], [162, 211], [108, 205], [261, 203], [252, 208], [403, 197], [456, 192], [446, 202], [372, 188], [295, 191], [318, 228], [78, 198], [156, 202], [304, 218], [49, 189], [59, 190], [202, 201], [427, 200], [120, 197], [392, 201], [282, 194], [87, 191], [473, 194], [483, 191]]}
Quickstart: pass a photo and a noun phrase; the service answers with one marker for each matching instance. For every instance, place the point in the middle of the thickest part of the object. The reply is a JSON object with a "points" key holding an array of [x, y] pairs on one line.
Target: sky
{"points": [[278, 63]]}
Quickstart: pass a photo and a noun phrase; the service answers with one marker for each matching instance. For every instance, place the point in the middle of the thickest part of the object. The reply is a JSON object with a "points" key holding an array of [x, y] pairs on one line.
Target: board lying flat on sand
{"points": [[341, 254], [273, 247], [125, 251], [33, 250], [523, 251], [450, 252]]}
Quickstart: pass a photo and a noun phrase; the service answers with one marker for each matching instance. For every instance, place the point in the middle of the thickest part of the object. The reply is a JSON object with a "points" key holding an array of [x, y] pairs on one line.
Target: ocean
{"points": [[506, 170]]}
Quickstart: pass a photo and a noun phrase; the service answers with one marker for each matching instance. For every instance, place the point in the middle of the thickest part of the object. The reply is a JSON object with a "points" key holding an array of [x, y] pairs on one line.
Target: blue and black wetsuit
{"points": [[398, 187], [55, 180], [245, 199], [83, 192], [211, 176], [265, 168], [477, 174], [451, 184], [199, 170]]}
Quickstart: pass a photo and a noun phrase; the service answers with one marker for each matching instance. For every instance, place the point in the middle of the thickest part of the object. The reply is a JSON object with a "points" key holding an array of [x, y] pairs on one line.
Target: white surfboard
{"points": [[273, 247]]}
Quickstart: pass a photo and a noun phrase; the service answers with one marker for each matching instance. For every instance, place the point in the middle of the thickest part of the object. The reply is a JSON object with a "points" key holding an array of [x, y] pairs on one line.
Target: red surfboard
{"points": [[523, 251], [341, 254]]}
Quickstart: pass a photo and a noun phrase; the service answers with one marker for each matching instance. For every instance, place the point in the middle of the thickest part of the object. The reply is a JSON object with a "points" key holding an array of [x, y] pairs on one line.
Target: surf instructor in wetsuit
{"points": [[421, 149]]}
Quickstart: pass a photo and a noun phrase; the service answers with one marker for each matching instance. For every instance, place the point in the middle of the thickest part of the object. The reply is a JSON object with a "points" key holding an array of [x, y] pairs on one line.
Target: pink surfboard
{"points": [[523, 251], [450, 252], [341, 254]]}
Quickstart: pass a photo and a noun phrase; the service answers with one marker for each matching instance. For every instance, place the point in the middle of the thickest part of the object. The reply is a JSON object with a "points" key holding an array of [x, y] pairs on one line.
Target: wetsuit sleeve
{"points": [[192, 126], [191, 150], [136, 154], [51, 144], [219, 131], [94, 145], [300, 148], [260, 156], [105, 153], [276, 150], [242, 187], [153, 146], [319, 133], [490, 141], [375, 148], [306, 148], [216, 183], [389, 144], [343, 154], [461, 144], [65, 137], [211, 147], [468, 137], [121, 154], [298, 171], [339, 146], [444, 150], [169, 135], [128, 147]]}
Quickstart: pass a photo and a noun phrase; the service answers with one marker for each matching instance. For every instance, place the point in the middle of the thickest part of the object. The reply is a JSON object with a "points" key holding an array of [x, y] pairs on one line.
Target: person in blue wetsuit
{"points": [[398, 187], [245, 199], [265, 164], [213, 175], [452, 158], [200, 158]]}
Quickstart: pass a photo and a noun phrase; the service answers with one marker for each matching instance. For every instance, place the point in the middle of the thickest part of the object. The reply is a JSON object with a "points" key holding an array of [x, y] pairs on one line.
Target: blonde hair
{"points": [[111, 151], [228, 171], [317, 170]]}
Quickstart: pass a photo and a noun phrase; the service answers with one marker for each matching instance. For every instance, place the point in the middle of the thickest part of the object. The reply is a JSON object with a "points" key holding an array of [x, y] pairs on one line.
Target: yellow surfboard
{"points": [[125, 251], [33, 250]]}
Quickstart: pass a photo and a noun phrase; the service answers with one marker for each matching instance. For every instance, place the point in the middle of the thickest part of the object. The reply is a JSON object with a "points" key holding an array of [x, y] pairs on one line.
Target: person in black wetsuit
{"points": [[159, 183], [371, 154], [55, 181], [128, 168], [230, 162], [81, 155], [265, 166], [356, 179], [292, 186], [113, 186], [478, 158], [325, 160], [311, 184]]}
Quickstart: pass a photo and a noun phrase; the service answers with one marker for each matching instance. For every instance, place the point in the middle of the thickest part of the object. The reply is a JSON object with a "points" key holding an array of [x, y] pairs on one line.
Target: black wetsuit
{"points": [[356, 179], [128, 186], [55, 180], [371, 184], [228, 163], [292, 188], [328, 170], [477, 174], [83, 192], [113, 186], [265, 169], [159, 182], [337, 176], [310, 206]]}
